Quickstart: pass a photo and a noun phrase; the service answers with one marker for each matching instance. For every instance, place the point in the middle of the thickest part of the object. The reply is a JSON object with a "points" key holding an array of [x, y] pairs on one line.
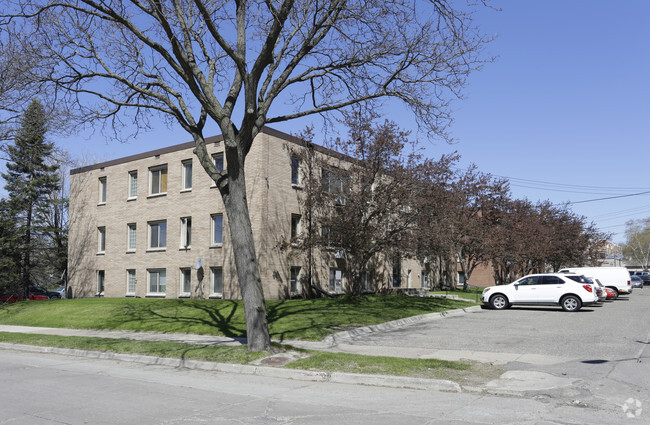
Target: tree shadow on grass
{"points": [[208, 317], [315, 319]]}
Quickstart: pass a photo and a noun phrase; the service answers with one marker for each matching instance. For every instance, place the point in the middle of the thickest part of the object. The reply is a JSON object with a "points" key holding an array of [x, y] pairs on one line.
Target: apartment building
{"points": [[154, 225]]}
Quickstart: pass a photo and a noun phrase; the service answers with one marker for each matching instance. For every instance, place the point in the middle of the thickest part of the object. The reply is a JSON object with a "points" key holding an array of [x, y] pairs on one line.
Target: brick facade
{"points": [[105, 218]]}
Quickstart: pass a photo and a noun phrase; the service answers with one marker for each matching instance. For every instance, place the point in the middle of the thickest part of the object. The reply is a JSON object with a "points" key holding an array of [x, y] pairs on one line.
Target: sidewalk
{"points": [[511, 383]]}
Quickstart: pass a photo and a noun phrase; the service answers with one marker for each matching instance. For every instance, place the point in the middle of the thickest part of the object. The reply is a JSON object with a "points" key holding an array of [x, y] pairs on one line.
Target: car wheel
{"points": [[499, 302], [571, 303]]}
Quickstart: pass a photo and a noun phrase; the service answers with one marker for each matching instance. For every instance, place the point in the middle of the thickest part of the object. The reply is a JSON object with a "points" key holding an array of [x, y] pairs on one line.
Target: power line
{"points": [[609, 197]]}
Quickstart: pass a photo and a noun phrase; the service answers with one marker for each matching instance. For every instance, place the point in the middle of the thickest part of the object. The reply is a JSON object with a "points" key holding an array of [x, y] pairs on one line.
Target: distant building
{"points": [[154, 225], [611, 255]]}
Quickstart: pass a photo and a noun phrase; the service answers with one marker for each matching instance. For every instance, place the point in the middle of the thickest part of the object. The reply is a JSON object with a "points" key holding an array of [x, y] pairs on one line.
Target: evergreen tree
{"points": [[30, 179], [9, 252]]}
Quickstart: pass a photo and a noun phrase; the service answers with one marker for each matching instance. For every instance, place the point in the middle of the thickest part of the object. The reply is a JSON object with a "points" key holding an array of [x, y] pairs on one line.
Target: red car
{"points": [[610, 294], [16, 298]]}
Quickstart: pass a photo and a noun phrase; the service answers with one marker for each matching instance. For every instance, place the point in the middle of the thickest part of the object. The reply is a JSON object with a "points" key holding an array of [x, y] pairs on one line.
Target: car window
{"points": [[576, 278], [531, 280], [554, 280]]}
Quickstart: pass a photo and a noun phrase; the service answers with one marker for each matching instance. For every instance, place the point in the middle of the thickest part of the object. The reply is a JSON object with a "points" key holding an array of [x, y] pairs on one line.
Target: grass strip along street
{"points": [[289, 319]]}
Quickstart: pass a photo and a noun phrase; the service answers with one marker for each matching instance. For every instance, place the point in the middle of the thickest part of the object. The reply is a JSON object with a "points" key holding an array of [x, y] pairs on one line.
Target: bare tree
{"points": [[19, 85], [476, 198], [242, 65], [637, 241], [535, 237], [365, 205]]}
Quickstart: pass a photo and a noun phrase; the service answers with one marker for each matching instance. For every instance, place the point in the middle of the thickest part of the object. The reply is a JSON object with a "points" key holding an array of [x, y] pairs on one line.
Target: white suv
{"points": [[541, 289]]}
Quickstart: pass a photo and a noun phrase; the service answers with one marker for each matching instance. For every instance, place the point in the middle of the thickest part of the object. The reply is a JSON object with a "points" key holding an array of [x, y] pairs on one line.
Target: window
{"points": [[187, 174], [336, 280], [295, 171], [216, 281], [130, 282], [336, 183], [217, 230], [157, 235], [397, 271], [158, 180], [331, 238], [425, 279], [101, 240], [532, 280], [157, 281], [186, 232], [133, 184], [294, 284], [131, 237], [552, 280], [366, 279], [186, 282], [295, 227], [217, 158], [101, 277], [102, 190]]}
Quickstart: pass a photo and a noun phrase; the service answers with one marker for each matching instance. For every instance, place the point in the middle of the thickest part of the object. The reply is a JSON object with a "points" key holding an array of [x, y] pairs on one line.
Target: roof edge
{"points": [[213, 139]]}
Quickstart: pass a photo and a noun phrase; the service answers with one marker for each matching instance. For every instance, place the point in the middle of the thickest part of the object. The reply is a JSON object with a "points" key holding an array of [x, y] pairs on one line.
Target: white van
{"points": [[615, 278]]}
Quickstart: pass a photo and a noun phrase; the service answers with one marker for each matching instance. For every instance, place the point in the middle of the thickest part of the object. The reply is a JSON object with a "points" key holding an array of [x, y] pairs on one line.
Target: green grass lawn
{"points": [[234, 354], [288, 319]]}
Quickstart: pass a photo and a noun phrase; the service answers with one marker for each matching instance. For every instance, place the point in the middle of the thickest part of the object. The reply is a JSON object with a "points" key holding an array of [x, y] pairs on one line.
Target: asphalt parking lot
{"points": [[609, 331]]}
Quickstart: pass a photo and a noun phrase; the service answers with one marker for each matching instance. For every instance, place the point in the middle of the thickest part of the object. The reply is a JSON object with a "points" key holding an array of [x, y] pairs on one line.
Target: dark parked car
{"points": [[645, 276], [39, 290]]}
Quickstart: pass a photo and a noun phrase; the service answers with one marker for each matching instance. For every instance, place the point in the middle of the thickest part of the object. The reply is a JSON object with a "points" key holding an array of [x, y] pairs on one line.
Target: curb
{"points": [[266, 371], [366, 330]]}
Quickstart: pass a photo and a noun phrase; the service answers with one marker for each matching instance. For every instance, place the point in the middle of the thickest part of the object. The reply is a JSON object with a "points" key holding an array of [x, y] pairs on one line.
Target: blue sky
{"points": [[563, 111]]}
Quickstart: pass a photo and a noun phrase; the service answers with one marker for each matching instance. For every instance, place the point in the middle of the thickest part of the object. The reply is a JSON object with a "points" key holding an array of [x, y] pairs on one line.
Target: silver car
{"points": [[637, 282]]}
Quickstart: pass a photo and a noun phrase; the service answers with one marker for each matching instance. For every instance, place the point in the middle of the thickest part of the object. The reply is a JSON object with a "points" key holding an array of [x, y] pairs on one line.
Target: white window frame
{"points": [[101, 282], [131, 237], [156, 225], [131, 282], [133, 185], [185, 278], [101, 240], [213, 241], [186, 175], [103, 190], [186, 233], [156, 175], [425, 279], [334, 273], [160, 284], [214, 272], [294, 280]]}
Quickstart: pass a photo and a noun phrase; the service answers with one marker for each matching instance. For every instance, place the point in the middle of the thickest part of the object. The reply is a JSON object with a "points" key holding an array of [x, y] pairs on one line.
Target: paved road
{"points": [[604, 351], [39, 388], [590, 367]]}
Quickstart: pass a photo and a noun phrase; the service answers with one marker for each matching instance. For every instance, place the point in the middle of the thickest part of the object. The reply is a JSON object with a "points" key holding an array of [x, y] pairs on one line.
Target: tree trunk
{"points": [[243, 244]]}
